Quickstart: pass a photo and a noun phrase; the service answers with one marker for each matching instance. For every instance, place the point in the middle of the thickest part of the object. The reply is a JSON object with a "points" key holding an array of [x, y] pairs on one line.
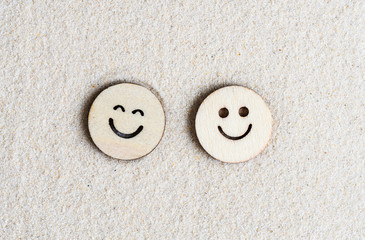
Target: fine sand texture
{"points": [[305, 58]]}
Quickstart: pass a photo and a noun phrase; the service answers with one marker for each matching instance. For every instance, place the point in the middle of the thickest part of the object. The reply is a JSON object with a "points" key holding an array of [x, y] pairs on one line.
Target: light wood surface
{"points": [[233, 124], [126, 121]]}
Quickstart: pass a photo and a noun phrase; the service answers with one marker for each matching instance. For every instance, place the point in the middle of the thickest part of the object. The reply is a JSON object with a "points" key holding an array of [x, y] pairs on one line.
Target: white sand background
{"points": [[306, 58]]}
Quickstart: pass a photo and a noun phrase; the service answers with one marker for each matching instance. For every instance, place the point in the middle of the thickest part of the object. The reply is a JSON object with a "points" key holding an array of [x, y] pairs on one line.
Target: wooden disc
{"points": [[233, 124], [126, 121]]}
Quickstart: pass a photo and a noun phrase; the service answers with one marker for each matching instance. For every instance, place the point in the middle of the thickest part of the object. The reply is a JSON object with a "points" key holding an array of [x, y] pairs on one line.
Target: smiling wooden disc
{"points": [[233, 124], [126, 121]]}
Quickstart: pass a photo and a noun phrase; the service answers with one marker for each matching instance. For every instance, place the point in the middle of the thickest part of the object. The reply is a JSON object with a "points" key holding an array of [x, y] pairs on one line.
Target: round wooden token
{"points": [[233, 124], [126, 121]]}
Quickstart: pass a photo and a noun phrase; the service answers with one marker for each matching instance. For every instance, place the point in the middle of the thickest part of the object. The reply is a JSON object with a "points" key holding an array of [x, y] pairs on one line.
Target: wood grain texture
{"points": [[126, 121], [233, 124]]}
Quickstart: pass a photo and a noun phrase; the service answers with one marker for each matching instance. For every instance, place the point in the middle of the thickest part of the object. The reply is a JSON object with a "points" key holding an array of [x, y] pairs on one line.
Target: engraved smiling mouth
{"points": [[235, 138], [124, 135]]}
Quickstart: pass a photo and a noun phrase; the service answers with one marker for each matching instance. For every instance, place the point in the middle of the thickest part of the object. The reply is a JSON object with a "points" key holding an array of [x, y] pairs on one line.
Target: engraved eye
{"points": [[119, 106], [223, 112], [139, 111], [243, 111]]}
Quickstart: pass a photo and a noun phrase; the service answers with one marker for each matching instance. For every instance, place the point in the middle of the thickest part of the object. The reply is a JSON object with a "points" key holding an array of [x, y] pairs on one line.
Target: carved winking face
{"points": [[126, 121]]}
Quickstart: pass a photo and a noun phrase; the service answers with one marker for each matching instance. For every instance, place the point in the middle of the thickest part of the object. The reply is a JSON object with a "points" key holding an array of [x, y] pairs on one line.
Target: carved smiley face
{"points": [[243, 112], [233, 124], [126, 121]]}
